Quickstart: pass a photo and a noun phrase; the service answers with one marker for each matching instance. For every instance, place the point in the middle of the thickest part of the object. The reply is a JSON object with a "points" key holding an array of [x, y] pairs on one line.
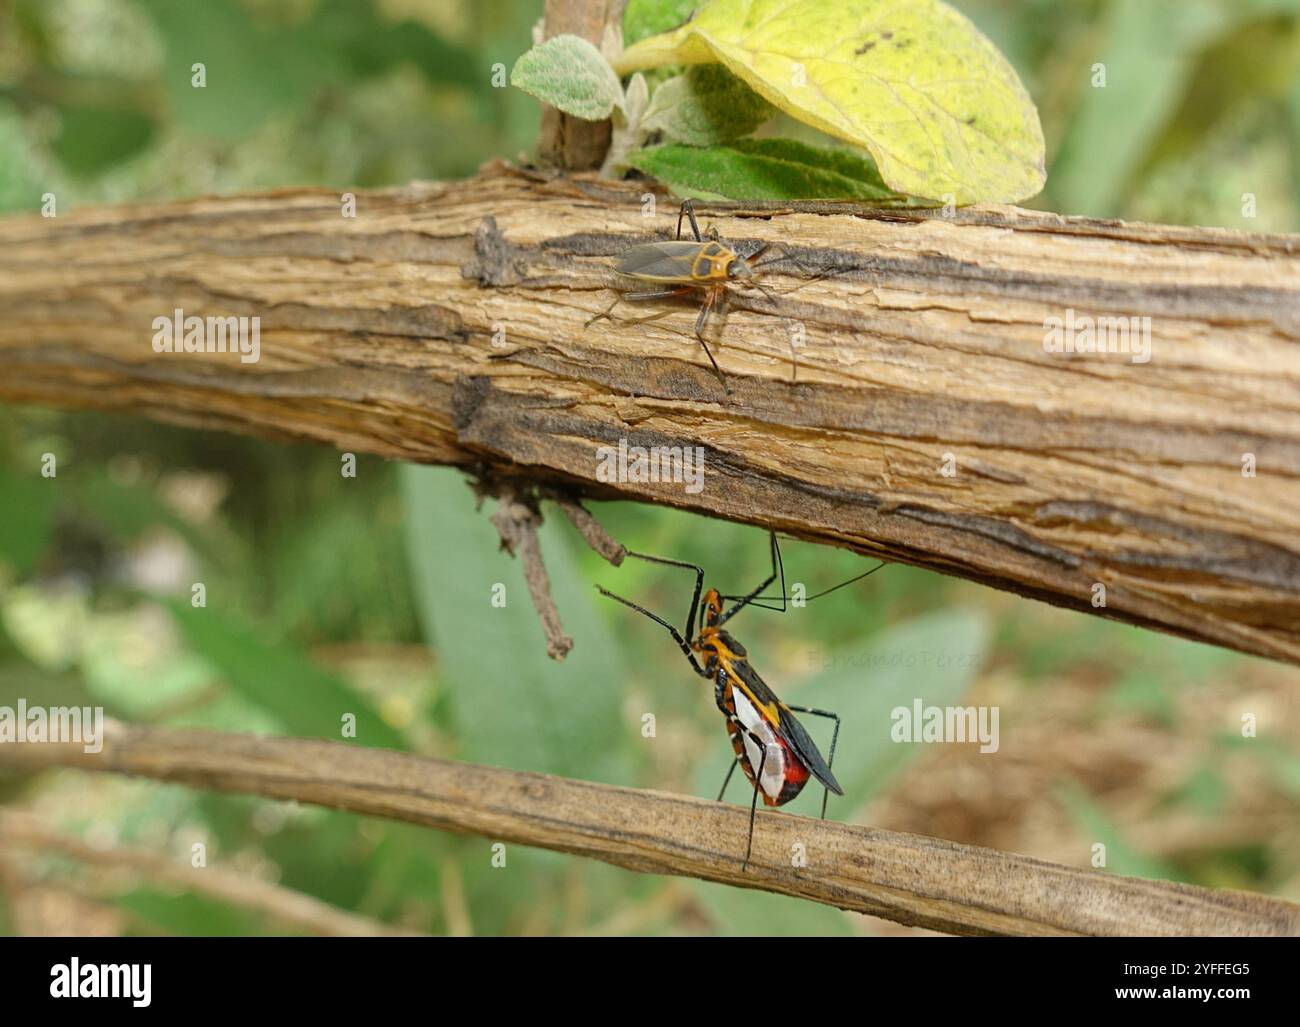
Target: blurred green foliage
{"points": [[371, 595]]}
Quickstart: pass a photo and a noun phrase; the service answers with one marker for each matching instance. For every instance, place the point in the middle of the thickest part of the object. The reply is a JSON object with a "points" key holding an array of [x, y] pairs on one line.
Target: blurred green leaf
{"points": [[1204, 790], [1121, 858], [514, 707], [1146, 693], [1247, 65], [189, 915], [767, 169], [370, 44], [29, 504], [256, 68], [1293, 137], [129, 511], [650, 17], [91, 140], [1281, 759], [306, 699], [1150, 54], [251, 70], [19, 174]]}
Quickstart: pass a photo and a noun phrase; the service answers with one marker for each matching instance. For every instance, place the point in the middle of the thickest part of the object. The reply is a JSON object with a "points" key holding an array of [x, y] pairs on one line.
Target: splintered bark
{"points": [[923, 420]]}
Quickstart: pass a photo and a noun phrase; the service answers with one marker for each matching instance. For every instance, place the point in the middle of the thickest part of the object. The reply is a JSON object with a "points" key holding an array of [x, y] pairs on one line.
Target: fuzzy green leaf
{"points": [[569, 74]]}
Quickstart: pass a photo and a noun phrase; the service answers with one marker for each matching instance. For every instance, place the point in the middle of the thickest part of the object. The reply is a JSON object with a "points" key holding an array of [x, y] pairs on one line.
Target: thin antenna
{"points": [[842, 584]]}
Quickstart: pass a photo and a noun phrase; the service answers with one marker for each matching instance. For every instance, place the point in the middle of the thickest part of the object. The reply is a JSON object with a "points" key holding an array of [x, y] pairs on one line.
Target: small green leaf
{"points": [[768, 169], [650, 17], [706, 105], [931, 99], [570, 74]]}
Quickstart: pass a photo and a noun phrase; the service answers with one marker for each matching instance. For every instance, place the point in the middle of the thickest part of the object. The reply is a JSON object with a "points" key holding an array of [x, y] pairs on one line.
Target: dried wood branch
{"points": [[911, 879], [445, 324], [284, 905]]}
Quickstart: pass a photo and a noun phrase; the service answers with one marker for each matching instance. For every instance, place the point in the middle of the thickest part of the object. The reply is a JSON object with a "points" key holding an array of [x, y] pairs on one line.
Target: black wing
{"points": [[788, 727]]}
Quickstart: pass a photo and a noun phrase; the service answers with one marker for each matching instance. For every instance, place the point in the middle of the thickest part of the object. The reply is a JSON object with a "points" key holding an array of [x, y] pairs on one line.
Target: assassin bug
{"points": [[684, 268], [775, 751]]}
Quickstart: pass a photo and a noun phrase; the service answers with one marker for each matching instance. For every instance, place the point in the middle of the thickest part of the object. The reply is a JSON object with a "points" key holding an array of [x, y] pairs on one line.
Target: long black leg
{"points": [[835, 737], [677, 635], [753, 806], [688, 210], [727, 780], [778, 567], [700, 323], [689, 630]]}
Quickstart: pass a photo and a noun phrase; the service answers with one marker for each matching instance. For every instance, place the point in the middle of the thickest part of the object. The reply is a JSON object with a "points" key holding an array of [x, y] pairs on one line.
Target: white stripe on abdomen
{"points": [[773, 778]]}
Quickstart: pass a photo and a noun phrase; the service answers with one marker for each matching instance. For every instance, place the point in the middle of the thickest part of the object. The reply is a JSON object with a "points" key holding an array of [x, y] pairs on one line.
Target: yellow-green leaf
{"points": [[939, 109]]}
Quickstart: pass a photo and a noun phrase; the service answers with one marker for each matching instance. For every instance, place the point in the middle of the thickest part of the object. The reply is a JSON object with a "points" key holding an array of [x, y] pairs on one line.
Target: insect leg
{"points": [[690, 629], [635, 297], [778, 568], [835, 737], [605, 314], [688, 210], [677, 635], [657, 294], [727, 780], [700, 323], [753, 806]]}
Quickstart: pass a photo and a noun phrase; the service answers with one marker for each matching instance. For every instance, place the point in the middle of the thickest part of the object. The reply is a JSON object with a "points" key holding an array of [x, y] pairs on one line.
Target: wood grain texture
{"points": [[445, 323], [911, 879]]}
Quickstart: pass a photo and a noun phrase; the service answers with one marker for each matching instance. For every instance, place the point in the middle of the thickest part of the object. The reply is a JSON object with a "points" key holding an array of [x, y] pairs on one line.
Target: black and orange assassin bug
{"points": [[685, 268], [772, 747]]}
